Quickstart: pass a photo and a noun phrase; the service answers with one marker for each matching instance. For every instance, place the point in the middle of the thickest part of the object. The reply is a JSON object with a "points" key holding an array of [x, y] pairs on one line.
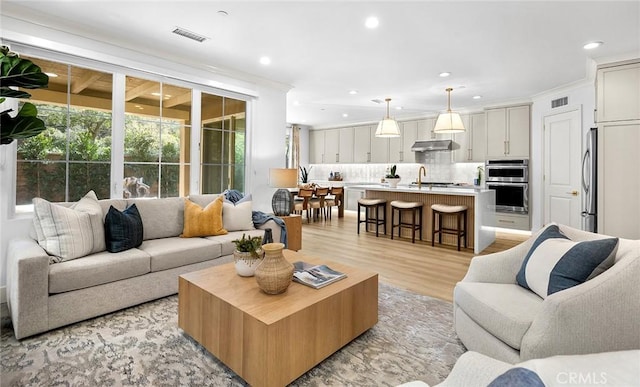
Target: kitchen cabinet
{"points": [[345, 140], [618, 184], [331, 146], [316, 146], [472, 142], [619, 179], [379, 147], [351, 198], [618, 93], [400, 147], [425, 129], [508, 132], [362, 144]]}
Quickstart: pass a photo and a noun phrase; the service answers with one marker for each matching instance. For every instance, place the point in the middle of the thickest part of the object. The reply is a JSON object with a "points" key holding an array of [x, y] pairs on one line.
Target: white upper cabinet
{"points": [[316, 146], [409, 137], [425, 129], [332, 146], [619, 93], [362, 144], [508, 132], [379, 148], [346, 145]]}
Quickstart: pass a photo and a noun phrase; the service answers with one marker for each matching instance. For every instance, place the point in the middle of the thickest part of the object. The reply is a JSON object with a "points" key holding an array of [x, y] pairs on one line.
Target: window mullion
{"points": [[117, 135]]}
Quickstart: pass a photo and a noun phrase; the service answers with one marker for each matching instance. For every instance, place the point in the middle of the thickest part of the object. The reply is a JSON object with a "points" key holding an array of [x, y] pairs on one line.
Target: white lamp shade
{"points": [[449, 122], [388, 128], [283, 177]]}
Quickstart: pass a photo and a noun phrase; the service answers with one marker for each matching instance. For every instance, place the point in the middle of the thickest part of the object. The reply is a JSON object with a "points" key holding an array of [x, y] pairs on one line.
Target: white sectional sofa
{"points": [[43, 296]]}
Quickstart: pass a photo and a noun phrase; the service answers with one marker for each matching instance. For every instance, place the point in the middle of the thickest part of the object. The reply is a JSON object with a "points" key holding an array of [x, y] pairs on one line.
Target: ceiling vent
{"points": [[559, 102], [189, 34]]}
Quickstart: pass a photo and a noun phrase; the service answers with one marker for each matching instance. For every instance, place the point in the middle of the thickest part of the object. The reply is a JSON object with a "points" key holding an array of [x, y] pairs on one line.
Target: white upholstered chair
{"points": [[497, 317]]}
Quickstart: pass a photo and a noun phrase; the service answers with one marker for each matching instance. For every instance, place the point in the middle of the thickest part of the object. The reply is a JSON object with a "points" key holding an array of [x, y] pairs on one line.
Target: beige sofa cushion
{"points": [[161, 218], [226, 241], [504, 310], [97, 269], [168, 253]]}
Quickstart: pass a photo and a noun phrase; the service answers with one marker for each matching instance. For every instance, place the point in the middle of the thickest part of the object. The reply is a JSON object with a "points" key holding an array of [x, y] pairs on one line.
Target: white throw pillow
{"points": [[71, 232], [238, 216]]}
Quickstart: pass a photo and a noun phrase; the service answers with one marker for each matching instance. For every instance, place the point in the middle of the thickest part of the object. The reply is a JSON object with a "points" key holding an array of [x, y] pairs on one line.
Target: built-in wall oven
{"points": [[510, 180]]}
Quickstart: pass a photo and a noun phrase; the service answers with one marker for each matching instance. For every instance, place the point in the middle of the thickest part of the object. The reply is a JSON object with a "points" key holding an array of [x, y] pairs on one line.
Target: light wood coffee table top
{"points": [[270, 340]]}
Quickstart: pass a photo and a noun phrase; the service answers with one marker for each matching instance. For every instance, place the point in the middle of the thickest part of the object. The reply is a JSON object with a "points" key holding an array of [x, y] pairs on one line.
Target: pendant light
{"points": [[388, 127], [449, 122]]}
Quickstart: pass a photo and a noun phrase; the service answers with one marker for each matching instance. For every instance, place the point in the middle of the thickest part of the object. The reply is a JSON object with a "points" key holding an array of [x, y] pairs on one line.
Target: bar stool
{"points": [[402, 206], [369, 204], [442, 210]]}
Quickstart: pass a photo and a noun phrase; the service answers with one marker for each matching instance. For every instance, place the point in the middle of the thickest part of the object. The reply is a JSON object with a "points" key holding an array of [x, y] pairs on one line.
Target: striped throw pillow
{"points": [[555, 263], [67, 233]]}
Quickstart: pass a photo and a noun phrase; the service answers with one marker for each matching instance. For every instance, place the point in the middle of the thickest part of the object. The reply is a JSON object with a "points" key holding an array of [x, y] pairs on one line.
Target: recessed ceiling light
{"points": [[372, 22], [223, 13], [296, 103], [445, 74], [265, 60], [52, 75], [345, 115], [592, 45], [398, 107], [477, 96], [353, 92]]}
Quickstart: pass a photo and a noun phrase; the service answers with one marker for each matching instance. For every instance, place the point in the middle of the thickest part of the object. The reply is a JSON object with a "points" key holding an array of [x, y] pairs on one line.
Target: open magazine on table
{"points": [[315, 276]]}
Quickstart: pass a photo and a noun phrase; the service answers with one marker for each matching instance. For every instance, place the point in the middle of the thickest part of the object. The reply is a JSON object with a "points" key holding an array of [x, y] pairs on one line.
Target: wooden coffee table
{"points": [[270, 340]]}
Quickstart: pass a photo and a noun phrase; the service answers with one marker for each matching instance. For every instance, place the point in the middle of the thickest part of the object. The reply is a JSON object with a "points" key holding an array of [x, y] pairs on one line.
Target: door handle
{"points": [[574, 193]]}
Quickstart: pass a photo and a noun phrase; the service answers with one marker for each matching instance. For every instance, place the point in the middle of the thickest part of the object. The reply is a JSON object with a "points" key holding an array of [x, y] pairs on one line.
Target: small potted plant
{"points": [[478, 181], [392, 178], [247, 255]]}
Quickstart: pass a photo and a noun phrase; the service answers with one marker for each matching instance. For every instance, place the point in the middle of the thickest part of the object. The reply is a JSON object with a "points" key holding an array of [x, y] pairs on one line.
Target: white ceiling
{"points": [[505, 51]]}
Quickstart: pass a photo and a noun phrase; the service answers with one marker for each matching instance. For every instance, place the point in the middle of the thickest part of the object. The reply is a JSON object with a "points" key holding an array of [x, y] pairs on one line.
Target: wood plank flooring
{"points": [[420, 268]]}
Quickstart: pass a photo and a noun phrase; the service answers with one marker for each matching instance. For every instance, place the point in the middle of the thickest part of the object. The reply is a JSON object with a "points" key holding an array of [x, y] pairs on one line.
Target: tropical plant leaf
{"points": [[24, 125], [16, 71], [10, 93]]}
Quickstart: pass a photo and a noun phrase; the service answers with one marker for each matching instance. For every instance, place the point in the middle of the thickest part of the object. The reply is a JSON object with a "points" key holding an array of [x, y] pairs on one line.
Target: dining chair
{"points": [[318, 203], [302, 203], [334, 199]]}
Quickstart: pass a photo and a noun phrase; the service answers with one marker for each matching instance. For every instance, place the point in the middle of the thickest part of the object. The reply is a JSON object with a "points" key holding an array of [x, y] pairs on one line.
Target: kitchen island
{"points": [[480, 215]]}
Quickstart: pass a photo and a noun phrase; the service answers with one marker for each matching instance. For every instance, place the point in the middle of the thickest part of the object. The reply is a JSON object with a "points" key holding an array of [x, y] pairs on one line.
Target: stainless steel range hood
{"points": [[431, 145]]}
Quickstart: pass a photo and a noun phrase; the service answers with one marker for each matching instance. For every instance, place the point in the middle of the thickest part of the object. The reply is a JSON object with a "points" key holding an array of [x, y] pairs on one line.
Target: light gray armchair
{"points": [[495, 316]]}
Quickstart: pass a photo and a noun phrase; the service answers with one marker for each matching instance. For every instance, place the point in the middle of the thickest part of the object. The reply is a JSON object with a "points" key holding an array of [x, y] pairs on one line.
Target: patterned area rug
{"points": [[142, 346]]}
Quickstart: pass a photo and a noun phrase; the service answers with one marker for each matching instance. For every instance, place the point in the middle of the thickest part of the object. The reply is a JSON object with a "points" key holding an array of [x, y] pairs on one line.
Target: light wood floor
{"points": [[420, 268]]}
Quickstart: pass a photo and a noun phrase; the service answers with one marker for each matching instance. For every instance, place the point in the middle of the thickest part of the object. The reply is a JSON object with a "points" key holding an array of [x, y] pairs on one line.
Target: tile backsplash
{"points": [[439, 169]]}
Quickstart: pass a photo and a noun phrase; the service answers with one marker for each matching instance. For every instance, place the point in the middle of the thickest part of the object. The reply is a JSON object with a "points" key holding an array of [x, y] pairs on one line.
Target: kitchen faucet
{"points": [[421, 172]]}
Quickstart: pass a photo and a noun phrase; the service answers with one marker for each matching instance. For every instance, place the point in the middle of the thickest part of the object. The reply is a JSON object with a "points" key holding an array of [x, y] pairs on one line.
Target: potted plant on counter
{"points": [[392, 178], [247, 255]]}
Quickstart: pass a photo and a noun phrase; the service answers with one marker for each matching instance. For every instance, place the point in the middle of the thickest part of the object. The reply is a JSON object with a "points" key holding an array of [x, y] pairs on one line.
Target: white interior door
{"points": [[562, 172]]}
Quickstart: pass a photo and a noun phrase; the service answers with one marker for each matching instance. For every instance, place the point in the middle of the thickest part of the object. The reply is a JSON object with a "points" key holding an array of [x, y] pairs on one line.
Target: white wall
{"points": [[266, 115], [581, 95]]}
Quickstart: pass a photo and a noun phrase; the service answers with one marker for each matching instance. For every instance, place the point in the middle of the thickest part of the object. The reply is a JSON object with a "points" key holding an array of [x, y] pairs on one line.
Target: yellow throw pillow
{"points": [[203, 222]]}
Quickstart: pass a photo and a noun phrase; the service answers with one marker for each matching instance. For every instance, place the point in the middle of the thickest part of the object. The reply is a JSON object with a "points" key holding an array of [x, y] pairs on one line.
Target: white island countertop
{"points": [[425, 189]]}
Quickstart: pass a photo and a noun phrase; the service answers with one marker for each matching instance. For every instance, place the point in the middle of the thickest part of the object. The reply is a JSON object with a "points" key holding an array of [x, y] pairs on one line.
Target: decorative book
{"points": [[315, 276]]}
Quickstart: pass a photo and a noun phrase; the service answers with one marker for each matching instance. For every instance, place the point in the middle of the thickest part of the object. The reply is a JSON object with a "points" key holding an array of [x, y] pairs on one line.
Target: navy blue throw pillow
{"points": [[555, 263], [123, 230], [519, 376]]}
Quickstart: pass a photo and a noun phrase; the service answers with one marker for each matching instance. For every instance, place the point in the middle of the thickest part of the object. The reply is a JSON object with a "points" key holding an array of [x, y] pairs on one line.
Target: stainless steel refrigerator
{"points": [[590, 182]]}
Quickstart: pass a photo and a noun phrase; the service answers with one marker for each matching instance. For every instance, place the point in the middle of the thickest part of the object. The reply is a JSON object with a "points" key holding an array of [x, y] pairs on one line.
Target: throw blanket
{"points": [[260, 218], [233, 195]]}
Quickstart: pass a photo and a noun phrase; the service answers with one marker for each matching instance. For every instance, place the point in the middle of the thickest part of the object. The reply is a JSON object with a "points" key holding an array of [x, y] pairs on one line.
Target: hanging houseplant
{"points": [[23, 73]]}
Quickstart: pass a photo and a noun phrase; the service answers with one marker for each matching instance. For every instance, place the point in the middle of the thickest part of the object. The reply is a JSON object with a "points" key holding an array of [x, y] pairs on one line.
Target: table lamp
{"points": [[282, 178]]}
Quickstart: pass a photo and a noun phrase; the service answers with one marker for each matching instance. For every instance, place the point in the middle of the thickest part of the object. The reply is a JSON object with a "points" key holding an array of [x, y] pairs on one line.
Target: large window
{"points": [[156, 142], [222, 143], [73, 155]]}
